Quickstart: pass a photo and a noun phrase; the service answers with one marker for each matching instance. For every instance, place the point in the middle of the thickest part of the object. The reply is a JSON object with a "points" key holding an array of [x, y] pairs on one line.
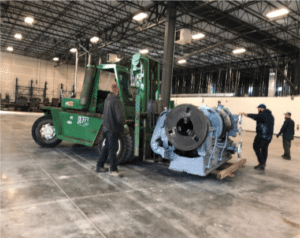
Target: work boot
{"points": [[255, 167], [283, 156], [101, 170], [116, 174], [260, 167], [287, 158]]}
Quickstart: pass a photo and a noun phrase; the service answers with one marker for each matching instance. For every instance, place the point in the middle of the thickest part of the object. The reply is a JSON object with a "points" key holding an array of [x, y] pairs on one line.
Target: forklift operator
{"points": [[113, 124]]}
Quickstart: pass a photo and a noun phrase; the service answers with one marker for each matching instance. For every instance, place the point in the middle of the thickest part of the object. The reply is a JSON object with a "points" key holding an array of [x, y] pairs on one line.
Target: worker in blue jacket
{"points": [[287, 131], [264, 133]]}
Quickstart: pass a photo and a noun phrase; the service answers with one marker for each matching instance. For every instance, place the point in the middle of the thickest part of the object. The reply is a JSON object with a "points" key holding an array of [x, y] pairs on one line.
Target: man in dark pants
{"points": [[264, 133], [113, 124], [287, 131]]}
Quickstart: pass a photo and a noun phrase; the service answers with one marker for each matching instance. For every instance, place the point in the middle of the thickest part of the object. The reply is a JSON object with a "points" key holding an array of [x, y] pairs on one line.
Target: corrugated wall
{"points": [[243, 82]]}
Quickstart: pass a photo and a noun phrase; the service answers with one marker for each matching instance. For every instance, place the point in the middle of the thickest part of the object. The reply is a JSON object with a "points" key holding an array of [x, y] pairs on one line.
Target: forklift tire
{"points": [[125, 147], [45, 121]]}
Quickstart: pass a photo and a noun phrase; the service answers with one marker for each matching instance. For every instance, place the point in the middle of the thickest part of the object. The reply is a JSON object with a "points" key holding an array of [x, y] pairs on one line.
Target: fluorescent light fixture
{"points": [[239, 51], [18, 36], [29, 20], [10, 48], [198, 36], [140, 16], [277, 13], [73, 50], [279, 89], [272, 73], [183, 61], [144, 51], [55, 59], [94, 39]]}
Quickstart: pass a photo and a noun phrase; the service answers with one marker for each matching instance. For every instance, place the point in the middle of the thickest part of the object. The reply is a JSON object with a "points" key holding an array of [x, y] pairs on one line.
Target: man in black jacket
{"points": [[113, 124], [264, 133], [287, 131]]}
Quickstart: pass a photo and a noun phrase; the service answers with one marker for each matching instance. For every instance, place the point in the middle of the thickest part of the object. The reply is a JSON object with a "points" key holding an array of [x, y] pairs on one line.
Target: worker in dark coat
{"points": [[113, 124], [287, 131], [264, 133]]}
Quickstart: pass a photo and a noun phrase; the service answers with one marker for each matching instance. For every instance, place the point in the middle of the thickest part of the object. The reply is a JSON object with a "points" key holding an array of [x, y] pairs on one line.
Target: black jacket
{"points": [[264, 124], [287, 129], [113, 114]]}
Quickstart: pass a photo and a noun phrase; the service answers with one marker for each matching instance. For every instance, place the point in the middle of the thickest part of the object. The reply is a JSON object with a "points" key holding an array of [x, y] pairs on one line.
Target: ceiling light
{"points": [[278, 13], [73, 50], [55, 59], [29, 20], [10, 48], [183, 61], [140, 16], [94, 39], [144, 51], [18, 36], [239, 51], [198, 36]]}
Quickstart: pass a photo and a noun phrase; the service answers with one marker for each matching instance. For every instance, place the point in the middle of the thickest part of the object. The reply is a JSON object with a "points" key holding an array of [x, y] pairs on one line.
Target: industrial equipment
{"points": [[30, 92], [79, 120], [196, 140]]}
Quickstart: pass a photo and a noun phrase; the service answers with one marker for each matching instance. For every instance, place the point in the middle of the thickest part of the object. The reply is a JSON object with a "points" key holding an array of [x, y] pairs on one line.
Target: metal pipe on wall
{"points": [[89, 58], [168, 53]]}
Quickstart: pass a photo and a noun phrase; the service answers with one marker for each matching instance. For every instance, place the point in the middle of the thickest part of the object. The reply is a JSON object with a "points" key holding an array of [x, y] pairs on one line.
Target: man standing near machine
{"points": [[287, 131], [113, 124], [264, 133]]}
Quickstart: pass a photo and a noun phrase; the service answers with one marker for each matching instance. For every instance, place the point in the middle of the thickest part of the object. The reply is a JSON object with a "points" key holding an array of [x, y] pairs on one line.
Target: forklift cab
{"points": [[110, 75], [96, 87]]}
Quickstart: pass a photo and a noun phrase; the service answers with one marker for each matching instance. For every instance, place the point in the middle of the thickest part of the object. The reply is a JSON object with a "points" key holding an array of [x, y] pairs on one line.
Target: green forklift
{"points": [[80, 120]]}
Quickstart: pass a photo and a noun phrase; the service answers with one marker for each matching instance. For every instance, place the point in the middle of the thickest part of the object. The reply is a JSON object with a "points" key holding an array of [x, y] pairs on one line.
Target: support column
{"points": [[297, 73], [272, 83], [168, 54], [210, 84], [75, 75], [294, 87]]}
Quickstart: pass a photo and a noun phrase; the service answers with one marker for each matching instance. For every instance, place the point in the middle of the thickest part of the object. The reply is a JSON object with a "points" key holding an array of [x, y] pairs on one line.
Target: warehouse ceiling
{"points": [[61, 25]]}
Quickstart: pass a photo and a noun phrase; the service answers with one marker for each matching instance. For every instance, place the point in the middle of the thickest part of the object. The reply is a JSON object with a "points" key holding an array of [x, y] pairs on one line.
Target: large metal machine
{"points": [[196, 140]]}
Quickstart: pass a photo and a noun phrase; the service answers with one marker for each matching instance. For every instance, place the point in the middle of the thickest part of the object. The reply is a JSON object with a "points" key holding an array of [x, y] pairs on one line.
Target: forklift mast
{"points": [[145, 83]]}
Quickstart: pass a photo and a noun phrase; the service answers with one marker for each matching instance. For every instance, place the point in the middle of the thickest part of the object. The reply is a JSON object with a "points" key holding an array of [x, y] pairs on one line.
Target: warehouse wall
{"points": [[278, 106], [25, 68]]}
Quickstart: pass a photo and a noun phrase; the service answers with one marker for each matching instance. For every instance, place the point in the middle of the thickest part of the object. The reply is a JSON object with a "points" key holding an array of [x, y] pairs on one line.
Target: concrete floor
{"points": [[54, 193]]}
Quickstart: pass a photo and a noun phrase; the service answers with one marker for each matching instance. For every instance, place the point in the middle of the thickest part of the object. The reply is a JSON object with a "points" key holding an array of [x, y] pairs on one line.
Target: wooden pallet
{"points": [[228, 169]]}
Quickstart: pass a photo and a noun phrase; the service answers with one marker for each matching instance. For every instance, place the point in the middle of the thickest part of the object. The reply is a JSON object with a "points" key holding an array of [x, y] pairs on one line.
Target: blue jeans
{"points": [[109, 150]]}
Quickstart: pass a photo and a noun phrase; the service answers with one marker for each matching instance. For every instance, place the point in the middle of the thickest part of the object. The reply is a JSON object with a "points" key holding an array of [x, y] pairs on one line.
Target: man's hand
{"points": [[126, 129]]}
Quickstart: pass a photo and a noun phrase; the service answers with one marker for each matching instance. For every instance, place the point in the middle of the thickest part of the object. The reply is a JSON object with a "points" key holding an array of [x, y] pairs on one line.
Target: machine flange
{"points": [[186, 127]]}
